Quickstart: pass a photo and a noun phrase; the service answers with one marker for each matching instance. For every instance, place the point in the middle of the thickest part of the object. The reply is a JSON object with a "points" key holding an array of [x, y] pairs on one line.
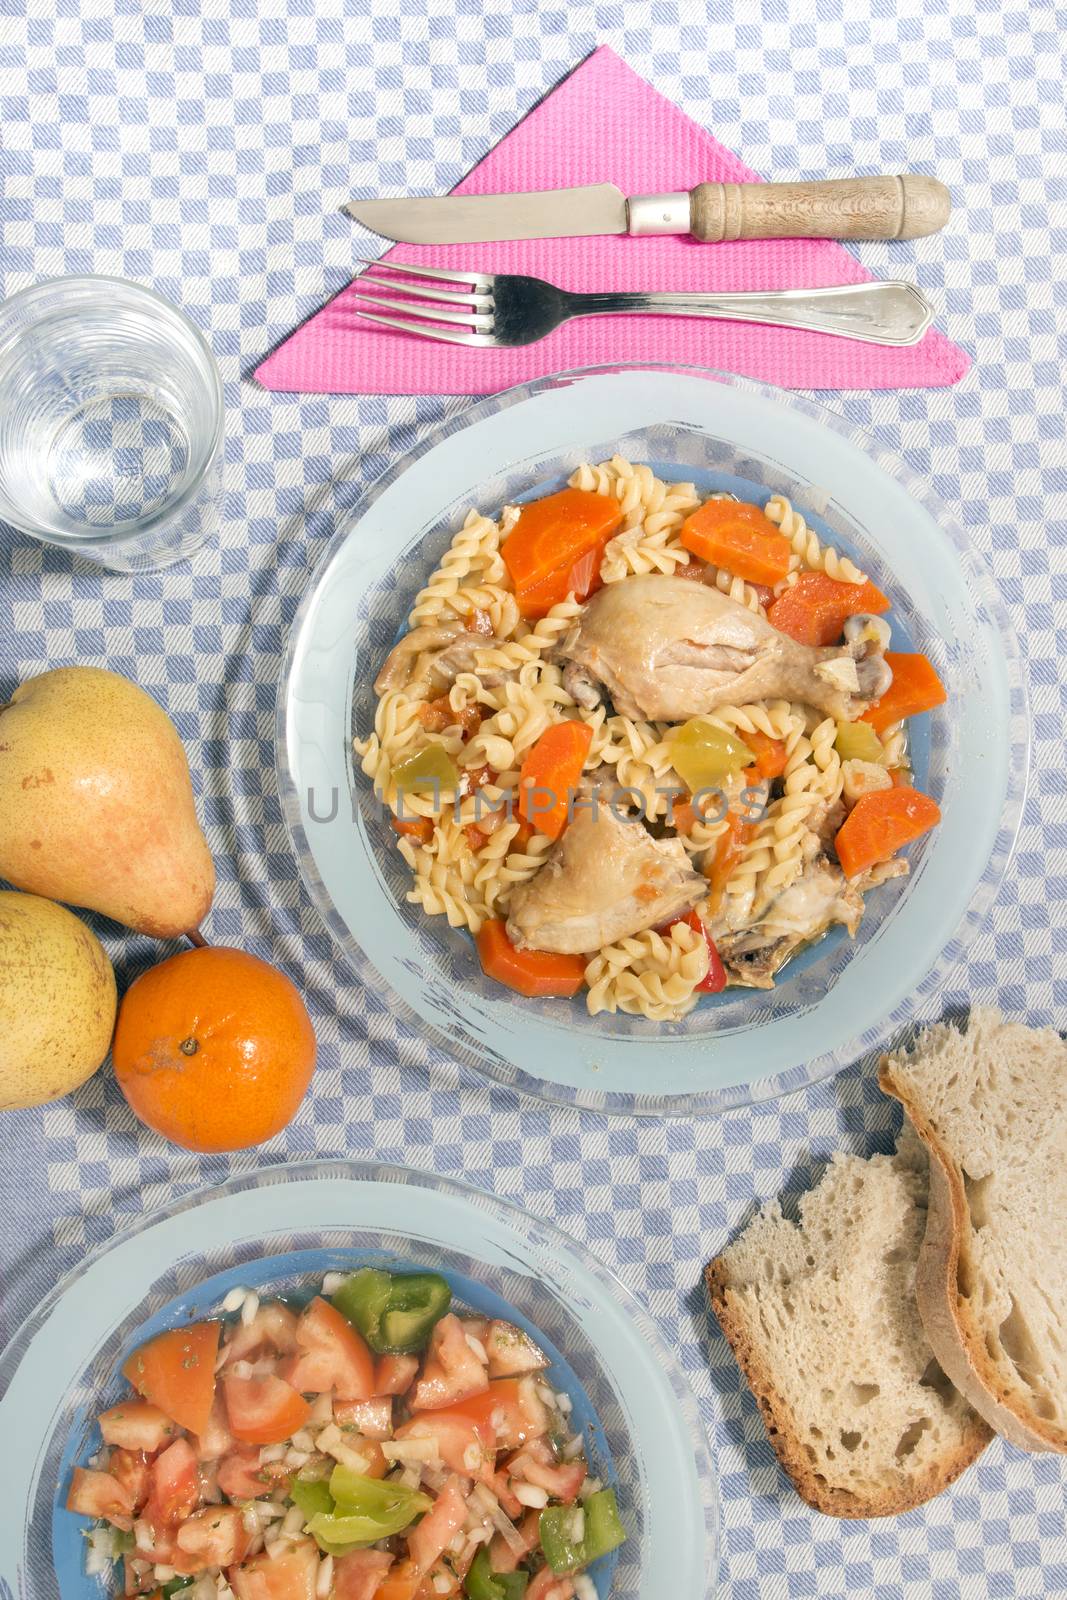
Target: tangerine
{"points": [[214, 1049]]}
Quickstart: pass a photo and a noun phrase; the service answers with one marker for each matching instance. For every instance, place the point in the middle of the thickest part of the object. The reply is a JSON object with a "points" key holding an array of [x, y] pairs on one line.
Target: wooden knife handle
{"points": [[905, 207]]}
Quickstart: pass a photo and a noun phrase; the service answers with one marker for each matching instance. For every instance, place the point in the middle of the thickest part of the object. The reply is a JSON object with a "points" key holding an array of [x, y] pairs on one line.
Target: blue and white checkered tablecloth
{"points": [[205, 149]]}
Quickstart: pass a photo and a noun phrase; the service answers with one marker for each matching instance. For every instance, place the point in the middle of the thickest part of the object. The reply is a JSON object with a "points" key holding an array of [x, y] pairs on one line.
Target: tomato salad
{"points": [[373, 1445]]}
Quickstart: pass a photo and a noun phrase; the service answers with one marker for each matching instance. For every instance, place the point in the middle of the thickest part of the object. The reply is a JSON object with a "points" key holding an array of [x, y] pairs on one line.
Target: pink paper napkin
{"points": [[605, 124]]}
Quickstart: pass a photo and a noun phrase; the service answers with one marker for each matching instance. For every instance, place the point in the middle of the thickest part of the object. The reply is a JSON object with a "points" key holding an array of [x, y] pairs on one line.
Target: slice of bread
{"points": [[823, 1321], [990, 1105]]}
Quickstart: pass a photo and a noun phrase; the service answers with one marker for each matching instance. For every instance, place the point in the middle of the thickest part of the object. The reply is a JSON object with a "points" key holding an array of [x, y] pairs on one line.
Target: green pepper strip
{"points": [[313, 1496], [395, 1312], [603, 1532], [367, 1508], [482, 1583]]}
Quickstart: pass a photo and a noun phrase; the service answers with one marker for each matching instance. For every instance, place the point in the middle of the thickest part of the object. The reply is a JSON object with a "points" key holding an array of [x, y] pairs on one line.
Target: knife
{"points": [[905, 207]]}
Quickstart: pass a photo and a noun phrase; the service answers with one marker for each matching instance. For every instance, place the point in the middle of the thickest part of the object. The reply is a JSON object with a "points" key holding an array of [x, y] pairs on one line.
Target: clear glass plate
{"points": [[837, 1001], [281, 1229]]}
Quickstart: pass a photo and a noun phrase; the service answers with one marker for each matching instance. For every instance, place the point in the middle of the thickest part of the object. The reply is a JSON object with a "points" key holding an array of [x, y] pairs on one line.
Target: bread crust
{"points": [[784, 1434], [954, 1333]]}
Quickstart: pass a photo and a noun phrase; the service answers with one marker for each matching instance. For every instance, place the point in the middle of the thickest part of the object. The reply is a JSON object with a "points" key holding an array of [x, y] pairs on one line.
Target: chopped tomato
{"points": [[537, 1465], [546, 1582], [418, 828], [451, 1370], [272, 1328], [130, 1468], [240, 1476], [403, 1582], [511, 1351], [292, 1576], [714, 980], [394, 1374], [815, 609], [502, 1558], [216, 1439], [476, 837], [136, 1425], [509, 1409], [175, 1490], [263, 1410], [332, 1355], [215, 1536], [555, 547], [359, 1575], [445, 1518], [372, 1418], [528, 972], [176, 1372], [464, 1443], [98, 1494], [479, 621]]}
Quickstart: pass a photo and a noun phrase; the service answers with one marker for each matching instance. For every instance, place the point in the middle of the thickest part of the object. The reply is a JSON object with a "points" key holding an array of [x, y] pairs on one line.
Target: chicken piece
{"points": [[606, 879], [432, 657], [666, 649], [820, 897]]}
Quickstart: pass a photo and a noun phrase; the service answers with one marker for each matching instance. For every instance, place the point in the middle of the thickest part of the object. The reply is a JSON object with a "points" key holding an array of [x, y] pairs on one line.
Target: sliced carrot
{"points": [[740, 538], [419, 828], [880, 823], [729, 849], [550, 773], [815, 609], [528, 972], [769, 753], [915, 688], [555, 547]]}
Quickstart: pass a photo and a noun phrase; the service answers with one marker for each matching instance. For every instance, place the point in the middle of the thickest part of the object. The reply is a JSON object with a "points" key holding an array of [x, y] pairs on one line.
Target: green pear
{"points": [[96, 803], [57, 1001]]}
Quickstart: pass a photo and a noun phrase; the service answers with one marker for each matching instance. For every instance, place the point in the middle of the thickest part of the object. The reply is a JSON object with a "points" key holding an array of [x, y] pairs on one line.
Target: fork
{"points": [[496, 309]]}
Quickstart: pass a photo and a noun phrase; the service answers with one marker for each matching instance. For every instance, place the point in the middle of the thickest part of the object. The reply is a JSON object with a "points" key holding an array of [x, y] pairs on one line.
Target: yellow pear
{"points": [[96, 803], [57, 1001]]}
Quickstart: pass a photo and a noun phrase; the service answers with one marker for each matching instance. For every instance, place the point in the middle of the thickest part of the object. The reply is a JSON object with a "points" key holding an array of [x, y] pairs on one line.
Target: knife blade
{"points": [[470, 219], [903, 207]]}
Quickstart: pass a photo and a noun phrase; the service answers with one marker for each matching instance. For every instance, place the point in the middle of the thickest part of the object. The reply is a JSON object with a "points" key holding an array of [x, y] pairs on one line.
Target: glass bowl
{"points": [[282, 1229], [839, 999]]}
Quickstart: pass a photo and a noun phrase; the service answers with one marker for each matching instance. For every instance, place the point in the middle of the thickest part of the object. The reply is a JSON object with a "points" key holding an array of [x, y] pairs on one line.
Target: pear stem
{"points": [[197, 940]]}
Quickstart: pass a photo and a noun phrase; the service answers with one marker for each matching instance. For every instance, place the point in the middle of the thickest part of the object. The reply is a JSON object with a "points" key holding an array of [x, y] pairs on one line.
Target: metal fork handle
{"points": [[878, 313]]}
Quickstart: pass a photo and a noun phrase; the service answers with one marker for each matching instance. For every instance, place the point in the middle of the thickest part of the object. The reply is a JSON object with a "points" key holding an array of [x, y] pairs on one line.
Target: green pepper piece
{"points": [[857, 741], [312, 1495], [563, 1551], [395, 1312], [429, 768], [176, 1586], [362, 1298], [417, 1302], [482, 1583], [703, 755], [604, 1531], [368, 1508]]}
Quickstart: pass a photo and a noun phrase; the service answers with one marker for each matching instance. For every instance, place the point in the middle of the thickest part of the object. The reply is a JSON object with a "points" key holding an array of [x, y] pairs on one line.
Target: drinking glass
{"points": [[110, 423]]}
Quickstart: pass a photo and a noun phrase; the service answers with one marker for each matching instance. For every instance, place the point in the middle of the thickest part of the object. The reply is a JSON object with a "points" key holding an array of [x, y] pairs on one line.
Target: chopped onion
{"points": [[324, 1581], [249, 1308], [321, 1411], [409, 1450], [241, 1369], [584, 1587], [528, 1494], [482, 1500], [271, 1452], [234, 1300], [332, 1282], [574, 1447], [590, 1486], [478, 1349]]}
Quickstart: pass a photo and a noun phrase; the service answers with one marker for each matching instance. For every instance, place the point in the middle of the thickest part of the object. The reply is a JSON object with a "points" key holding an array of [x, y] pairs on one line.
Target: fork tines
{"points": [[442, 317]]}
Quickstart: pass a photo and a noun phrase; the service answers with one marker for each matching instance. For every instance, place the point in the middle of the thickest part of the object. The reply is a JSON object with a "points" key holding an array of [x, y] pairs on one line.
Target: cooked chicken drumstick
{"points": [[667, 649]]}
